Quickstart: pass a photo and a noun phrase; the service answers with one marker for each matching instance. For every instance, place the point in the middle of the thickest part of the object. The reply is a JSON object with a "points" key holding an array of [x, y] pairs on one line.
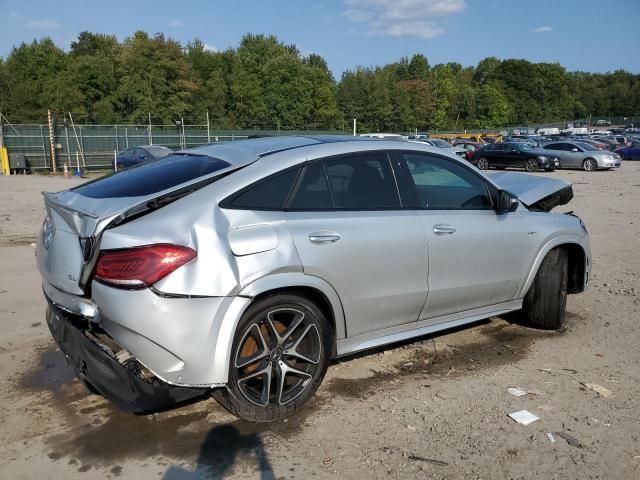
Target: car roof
{"points": [[242, 152]]}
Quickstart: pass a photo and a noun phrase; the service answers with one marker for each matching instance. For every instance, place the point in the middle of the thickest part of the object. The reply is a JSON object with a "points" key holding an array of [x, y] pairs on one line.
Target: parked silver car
{"points": [[575, 154], [443, 144], [243, 268]]}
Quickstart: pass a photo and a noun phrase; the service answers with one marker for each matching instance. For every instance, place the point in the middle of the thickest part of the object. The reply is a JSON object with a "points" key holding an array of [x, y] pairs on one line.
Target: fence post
{"points": [[208, 131], [82, 146], [183, 140], [66, 136], [44, 147], [126, 137], [116, 129], [150, 134], [51, 141]]}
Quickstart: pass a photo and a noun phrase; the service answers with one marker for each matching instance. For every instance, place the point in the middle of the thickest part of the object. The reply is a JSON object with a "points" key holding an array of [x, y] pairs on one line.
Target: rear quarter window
{"points": [[152, 177], [268, 194]]}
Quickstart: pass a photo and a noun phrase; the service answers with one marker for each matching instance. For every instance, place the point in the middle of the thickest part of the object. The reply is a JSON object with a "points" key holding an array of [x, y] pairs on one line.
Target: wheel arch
{"points": [[578, 263], [314, 288]]}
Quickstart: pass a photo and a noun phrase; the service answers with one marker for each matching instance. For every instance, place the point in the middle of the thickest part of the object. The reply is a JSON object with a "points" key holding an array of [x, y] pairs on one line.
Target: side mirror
{"points": [[507, 202]]}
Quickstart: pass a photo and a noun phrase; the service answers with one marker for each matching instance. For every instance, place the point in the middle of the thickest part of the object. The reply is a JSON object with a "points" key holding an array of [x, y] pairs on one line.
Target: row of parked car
{"points": [[533, 153], [603, 150]]}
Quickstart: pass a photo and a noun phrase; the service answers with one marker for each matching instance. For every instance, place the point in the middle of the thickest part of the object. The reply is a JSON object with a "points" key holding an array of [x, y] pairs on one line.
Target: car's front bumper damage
{"points": [[108, 369]]}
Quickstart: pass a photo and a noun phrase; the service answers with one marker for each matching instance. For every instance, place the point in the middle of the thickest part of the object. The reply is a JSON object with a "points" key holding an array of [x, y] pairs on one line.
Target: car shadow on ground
{"points": [[218, 454]]}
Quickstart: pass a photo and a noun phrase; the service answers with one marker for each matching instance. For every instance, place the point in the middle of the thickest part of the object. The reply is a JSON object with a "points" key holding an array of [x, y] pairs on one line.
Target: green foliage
{"points": [[265, 83]]}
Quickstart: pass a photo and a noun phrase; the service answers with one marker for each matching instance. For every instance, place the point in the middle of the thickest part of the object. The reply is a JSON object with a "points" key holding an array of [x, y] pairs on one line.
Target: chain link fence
{"points": [[94, 146]]}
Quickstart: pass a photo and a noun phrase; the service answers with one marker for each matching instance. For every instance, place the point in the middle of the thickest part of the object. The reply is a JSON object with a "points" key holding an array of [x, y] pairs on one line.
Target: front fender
{"points": [[583, 242]]}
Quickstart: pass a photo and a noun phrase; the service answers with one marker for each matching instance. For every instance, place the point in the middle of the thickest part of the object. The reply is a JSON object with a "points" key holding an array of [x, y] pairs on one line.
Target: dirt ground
{"points": [[434, 408]]}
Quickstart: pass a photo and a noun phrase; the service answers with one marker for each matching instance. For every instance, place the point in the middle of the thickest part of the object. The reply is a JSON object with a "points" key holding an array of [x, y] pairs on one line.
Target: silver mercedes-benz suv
{"points": [[243, 268]]}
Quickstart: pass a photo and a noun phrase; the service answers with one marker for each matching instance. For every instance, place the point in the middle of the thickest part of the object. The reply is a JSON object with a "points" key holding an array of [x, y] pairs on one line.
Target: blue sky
{"points": [[590, 35]]}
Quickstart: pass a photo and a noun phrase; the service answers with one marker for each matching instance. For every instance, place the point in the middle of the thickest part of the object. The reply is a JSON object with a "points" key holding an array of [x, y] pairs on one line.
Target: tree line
{"points": [[264, 83]]}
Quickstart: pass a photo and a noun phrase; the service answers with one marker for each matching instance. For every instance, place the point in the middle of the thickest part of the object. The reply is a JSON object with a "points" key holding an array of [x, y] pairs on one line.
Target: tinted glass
{"points": [[444, 184], [313, 190], [269, 194], [587, 147], [152, 177], [362, 182]]}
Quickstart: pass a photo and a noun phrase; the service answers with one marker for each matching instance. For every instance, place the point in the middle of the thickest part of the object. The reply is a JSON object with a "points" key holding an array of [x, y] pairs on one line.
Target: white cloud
{"points": [[358, 16], [175, 23], [546, 28], [419, 29], [210, 48], [44, 24], [397, 18]]}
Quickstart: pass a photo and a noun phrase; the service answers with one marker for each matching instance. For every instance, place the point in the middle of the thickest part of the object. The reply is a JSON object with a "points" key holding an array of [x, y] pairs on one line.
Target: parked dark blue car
{"points": [[630, 153], [141, 153]]}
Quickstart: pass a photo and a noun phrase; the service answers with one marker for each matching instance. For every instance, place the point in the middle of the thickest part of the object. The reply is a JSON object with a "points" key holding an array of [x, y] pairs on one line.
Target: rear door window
{"points": [[153, 177], [312, 192], [362, 182]]}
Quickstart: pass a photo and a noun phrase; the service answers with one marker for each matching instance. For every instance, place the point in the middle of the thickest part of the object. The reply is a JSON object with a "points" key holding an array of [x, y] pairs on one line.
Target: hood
{"points": [[535, 192]]}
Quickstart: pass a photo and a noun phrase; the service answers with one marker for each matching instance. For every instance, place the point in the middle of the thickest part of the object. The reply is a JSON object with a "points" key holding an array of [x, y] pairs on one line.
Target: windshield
{"points": [[159, 150], [152, 177]]}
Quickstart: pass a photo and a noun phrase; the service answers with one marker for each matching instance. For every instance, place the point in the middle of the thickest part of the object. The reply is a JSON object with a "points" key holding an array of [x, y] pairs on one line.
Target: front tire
{"points": [[531, 165], [589, 165], [279, 357], [545, 303]]}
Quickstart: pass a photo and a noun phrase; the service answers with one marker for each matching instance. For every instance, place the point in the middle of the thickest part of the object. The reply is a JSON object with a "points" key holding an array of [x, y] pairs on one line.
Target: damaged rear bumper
{"points": [[115, 374]]}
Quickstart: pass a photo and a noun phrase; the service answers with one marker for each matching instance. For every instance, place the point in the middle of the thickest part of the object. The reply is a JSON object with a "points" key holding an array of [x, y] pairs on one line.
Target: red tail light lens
{"points": [[141, 267]]}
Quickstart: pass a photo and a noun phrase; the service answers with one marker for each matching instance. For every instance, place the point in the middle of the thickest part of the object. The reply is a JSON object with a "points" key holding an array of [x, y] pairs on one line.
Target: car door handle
{"points": [[443, 229], [324, 237]]}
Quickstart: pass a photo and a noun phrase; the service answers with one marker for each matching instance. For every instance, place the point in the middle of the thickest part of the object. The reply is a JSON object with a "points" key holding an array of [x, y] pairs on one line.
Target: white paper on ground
{"points": [[551, 438], [524, 417], [516, 392]]}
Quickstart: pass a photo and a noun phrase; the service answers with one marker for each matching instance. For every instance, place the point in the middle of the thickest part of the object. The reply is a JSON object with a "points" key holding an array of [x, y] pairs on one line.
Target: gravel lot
{"points": [[434, 408]]}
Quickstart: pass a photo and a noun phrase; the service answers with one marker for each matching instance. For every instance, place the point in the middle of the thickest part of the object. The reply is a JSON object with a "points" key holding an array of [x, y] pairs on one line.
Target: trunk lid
{"points": [[69, 240], [65, 240], [535, 192]]}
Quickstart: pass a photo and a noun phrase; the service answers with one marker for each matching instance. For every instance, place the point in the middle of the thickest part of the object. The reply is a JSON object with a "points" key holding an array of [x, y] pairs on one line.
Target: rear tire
{"points": [[545, 303], [266, 340]]}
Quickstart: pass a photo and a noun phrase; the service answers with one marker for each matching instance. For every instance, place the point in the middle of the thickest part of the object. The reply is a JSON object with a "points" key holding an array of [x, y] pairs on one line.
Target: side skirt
{"points": [[399, 333]]}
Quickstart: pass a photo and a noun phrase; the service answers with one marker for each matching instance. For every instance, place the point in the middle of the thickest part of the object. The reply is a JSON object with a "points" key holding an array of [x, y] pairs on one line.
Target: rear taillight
{"points": [[141, 267]]}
